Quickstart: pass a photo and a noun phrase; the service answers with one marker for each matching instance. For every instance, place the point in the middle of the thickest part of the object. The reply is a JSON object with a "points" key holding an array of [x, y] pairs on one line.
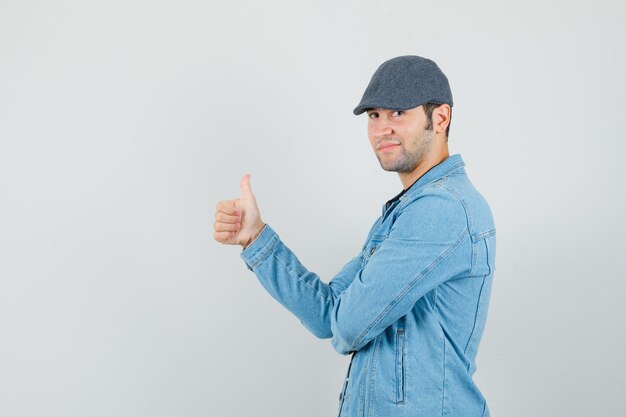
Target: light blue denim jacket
{"points": [[410, 307]]}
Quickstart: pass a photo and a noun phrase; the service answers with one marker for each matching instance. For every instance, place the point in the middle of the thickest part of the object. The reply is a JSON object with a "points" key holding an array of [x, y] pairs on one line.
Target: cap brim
{"points": [[361, 108]]}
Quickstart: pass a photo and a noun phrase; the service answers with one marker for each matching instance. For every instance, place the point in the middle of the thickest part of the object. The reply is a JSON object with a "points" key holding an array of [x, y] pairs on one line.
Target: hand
{"points": [[238, 222]]}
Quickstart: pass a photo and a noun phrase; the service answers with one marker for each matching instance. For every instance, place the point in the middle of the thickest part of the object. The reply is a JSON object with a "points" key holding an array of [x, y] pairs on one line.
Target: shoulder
{"points": [[435, 210], [441, 196], [451, 201]]}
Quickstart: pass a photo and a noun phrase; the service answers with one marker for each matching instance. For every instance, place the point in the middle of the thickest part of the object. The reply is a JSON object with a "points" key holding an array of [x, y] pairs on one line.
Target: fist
{"points": [[238, 222]]}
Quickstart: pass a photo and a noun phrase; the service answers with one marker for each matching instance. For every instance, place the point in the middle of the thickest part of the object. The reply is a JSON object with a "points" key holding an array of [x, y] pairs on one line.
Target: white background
{"points": [[123, 123]]}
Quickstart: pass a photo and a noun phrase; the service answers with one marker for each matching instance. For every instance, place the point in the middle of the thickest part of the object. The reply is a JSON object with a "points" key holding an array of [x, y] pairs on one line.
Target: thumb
{"points": [[245, 191]]}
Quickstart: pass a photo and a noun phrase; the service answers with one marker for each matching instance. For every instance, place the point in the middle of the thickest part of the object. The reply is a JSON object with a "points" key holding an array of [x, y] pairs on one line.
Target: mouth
{"points": [[387, 147]]}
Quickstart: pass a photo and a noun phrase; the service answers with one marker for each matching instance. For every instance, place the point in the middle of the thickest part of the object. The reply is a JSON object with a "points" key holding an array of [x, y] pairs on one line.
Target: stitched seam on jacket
{"points": [[408, 288], [270, 247], [468, 215], [470, 224], [469, 339], [453, 168], [420, 190], [443, 382], [479, 295], [484, 235], [372, 378], [474, 259], [300, 279]]}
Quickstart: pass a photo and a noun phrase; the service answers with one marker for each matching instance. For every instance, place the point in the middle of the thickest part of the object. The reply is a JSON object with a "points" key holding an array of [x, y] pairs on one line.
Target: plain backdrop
{"points": [[123, 123]]}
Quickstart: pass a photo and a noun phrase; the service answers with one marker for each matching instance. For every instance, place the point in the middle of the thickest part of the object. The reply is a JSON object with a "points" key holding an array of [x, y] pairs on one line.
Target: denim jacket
{"points": [[410, 307]]}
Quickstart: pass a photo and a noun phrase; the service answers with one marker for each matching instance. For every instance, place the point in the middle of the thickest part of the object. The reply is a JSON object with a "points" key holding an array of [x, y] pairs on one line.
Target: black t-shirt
{"points": [[396, 198]]}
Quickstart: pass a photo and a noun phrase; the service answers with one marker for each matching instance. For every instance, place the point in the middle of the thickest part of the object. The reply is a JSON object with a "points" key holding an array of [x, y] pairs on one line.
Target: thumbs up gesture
{"points": [[238, 222]]}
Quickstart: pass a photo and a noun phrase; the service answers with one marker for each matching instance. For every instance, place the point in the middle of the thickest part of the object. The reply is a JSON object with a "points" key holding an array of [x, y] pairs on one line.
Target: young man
{"points": [[411, 308]]}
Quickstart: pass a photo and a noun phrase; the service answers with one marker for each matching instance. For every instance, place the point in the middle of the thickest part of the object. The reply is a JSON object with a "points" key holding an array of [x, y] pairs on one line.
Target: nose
{"points": [[381, 127]]}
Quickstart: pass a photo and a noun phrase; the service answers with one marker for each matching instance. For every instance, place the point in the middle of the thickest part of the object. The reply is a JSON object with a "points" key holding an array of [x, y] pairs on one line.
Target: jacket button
{"points": [[372, 250]]}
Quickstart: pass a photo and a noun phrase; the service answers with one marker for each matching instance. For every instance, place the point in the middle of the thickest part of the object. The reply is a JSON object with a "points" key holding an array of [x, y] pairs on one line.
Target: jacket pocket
{"points": [[372, 246], [400, 363]]}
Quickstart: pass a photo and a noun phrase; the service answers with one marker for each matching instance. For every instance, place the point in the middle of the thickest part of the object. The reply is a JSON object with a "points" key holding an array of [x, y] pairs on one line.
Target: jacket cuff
{"points": [[260, 248]]}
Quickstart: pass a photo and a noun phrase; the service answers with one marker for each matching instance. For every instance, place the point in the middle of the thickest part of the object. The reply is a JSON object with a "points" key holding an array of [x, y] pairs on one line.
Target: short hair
{"points": [[428, 109]]}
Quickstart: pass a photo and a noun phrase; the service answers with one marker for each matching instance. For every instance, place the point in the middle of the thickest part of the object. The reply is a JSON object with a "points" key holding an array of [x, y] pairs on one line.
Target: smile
{"points": [[388, 147]]}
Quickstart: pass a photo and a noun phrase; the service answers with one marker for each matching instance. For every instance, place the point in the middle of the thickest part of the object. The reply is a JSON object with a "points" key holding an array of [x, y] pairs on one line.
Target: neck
{"points": [[437, 154]]}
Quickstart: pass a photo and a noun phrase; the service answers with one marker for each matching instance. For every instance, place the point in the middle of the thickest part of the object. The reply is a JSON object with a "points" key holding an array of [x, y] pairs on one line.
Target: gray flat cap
{"points": [[405, 82]]}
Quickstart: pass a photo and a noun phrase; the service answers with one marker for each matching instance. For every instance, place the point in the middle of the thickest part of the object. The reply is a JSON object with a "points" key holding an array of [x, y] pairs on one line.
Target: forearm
{"points": [[301, 291]]}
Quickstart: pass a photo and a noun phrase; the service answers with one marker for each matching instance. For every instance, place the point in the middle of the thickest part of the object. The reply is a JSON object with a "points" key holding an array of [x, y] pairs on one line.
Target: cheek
{"points": [[370, 136]]}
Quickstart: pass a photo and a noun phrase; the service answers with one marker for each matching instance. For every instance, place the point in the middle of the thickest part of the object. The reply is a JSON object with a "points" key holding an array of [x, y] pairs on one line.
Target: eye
{"points": [[372, 115], [397, 113]]}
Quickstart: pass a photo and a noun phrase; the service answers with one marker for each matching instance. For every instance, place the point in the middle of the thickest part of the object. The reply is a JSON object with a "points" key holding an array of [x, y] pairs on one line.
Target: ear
{"points": [[441, 118]]}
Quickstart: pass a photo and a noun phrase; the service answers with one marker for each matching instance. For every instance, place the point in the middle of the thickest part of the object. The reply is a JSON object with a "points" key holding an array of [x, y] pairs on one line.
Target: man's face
{"points": [[399, 137]]}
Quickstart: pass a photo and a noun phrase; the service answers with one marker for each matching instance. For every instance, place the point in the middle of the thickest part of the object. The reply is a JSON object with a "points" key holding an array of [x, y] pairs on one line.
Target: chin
{"points": [[388, 168]]}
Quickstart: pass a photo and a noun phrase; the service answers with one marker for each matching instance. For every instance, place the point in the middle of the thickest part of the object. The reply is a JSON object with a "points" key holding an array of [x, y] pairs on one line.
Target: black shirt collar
{"points": [[396, 198]]}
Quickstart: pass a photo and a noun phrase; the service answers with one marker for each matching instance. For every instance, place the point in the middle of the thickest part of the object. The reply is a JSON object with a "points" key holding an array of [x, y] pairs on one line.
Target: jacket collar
{"points": [[442, 169]]}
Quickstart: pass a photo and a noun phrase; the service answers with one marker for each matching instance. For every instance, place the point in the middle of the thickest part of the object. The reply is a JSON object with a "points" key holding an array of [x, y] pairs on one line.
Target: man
{"points": [[411, 307]]}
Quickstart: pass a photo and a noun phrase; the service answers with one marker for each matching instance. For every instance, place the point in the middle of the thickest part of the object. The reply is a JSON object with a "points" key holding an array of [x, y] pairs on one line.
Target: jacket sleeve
{"points": [[424, 248], [299, 290], [428, 244]]}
